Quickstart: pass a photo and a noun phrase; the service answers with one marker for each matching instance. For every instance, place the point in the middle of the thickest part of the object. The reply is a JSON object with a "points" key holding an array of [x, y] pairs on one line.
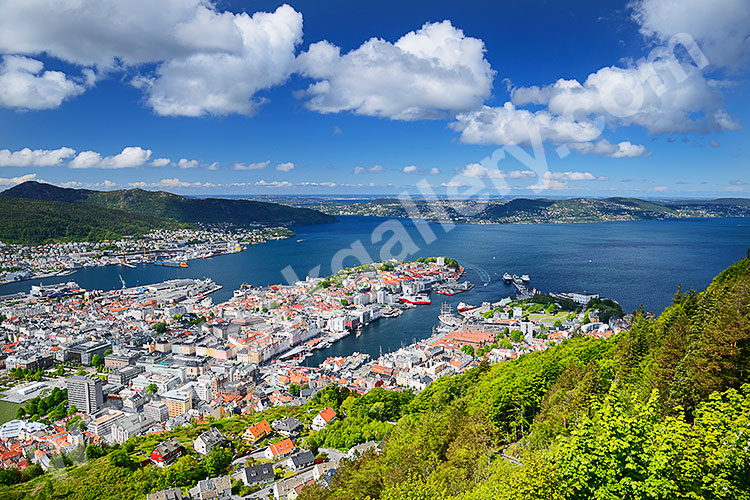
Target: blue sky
{"points": [[330, 97]]}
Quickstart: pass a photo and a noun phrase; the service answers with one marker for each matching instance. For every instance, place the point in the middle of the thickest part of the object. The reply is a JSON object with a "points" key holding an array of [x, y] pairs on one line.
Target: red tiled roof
{"points": [[327, 414]]}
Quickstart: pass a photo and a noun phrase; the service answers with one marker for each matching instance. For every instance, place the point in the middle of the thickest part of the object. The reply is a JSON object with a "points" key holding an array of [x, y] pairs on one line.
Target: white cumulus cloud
{"points": [[226, 83], [656, 95], [476, 170], [206, 61], [184, 163], [24, 85], [548, 185], [508, 125], [285, 167], [425, 74], [34, 157], [274, 184], [130, 157], [375, 169], [251, 166], [624, 149], [721, 27], [411, 169], [161, 162]]}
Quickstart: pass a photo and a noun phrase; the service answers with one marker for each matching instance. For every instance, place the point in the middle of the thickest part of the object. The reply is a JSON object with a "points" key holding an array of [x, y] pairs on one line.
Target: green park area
{"points": [[8, 411]]}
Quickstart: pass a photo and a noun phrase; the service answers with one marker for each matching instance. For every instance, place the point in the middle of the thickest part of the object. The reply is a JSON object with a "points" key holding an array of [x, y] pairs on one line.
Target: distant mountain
{"points": [[519, 205], [176, 207], [576, 209], [33, 222], [542, 210], [740, 202]]}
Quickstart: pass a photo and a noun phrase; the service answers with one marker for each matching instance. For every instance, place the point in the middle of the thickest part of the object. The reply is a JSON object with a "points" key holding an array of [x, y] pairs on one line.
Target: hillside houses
{"points": [[207, 441], [323, 418]]}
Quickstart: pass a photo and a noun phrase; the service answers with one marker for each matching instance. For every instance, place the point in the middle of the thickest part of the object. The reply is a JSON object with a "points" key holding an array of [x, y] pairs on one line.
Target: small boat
{"points": [[507, 277], [171, 263], [525, 278]]}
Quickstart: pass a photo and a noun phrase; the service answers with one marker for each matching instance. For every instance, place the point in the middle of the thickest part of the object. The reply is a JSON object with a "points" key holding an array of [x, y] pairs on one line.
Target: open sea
{"points": [[638, 262]]}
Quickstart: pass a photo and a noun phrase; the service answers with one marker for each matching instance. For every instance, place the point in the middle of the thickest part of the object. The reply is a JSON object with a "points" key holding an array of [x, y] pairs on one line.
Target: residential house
{"points": [[320, 471], [169, 494], [279, 450], [256, 474], [207, 441], [213, 488], [323, 418], [289, 427], [166, 453], [258, 431], [301, 460], [360, 449], [282, 489]]}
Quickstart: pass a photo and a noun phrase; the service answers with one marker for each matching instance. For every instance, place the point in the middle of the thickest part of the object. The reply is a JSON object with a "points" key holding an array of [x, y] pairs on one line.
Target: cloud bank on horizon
{"points": [[190, 59]]}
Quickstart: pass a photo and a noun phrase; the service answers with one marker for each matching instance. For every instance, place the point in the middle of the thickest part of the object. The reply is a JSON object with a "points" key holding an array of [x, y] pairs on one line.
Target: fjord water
{"points": [[638, 262]]}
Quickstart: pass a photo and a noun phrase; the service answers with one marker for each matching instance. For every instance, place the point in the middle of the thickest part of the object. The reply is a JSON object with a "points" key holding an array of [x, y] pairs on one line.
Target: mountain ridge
{"points": [[173, 206]]}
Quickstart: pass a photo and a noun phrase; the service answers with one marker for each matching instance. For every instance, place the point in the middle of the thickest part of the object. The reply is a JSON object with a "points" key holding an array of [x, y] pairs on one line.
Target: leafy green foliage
{"points": [[607, 309], [217, 461], [468, 349], [345, 433], [51, 407]]}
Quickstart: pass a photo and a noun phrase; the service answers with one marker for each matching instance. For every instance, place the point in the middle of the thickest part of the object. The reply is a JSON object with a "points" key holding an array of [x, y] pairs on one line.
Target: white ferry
{"points": [[420, 299]]}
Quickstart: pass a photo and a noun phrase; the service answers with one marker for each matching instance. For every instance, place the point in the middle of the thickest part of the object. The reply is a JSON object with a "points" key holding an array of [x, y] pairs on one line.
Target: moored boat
{"points": [[419, 299], [463, 307]]}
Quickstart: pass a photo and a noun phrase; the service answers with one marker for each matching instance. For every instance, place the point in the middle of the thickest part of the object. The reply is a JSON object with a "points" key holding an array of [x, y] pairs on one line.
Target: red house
{"points": [[166, 453]]}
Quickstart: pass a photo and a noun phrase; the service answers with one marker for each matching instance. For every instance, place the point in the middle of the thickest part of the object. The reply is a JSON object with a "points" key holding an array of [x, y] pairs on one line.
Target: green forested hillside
{"points": [[173, 206], [660, 412], [28, 221]]}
